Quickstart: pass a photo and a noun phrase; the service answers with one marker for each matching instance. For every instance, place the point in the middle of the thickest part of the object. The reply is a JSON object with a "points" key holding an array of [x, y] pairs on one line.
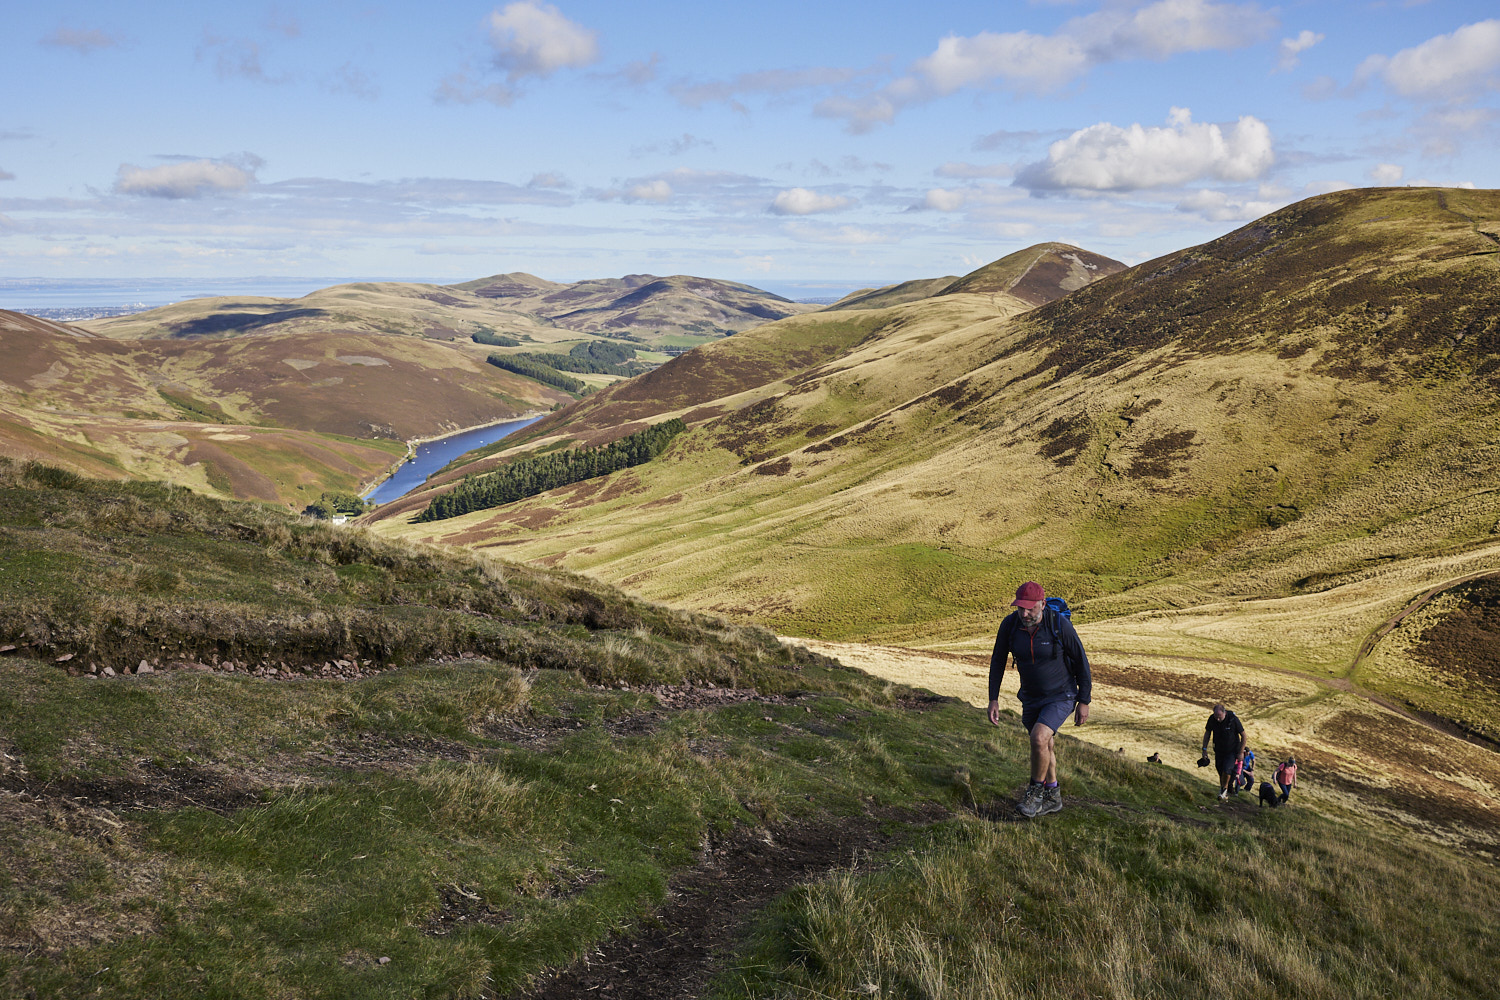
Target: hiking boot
{"points": [[1051, 801], [1031, 802], [1224, 795]]}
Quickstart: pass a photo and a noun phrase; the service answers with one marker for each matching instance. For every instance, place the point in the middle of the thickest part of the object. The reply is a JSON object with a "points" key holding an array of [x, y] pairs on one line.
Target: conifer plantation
{"points": [[528, 477]]}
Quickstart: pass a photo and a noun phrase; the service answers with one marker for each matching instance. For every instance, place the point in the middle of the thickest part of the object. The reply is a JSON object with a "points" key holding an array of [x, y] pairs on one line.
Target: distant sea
{"points": [[66, 299]]}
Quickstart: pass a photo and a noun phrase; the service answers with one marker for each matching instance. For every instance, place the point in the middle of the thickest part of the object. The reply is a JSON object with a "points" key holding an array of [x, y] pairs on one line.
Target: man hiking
{"points": [[1055, 684], [1229, 745]]}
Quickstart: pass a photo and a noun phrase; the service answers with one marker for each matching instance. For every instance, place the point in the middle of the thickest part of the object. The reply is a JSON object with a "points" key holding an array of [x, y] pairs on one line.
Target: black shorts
{"points": [[1224, 763]]}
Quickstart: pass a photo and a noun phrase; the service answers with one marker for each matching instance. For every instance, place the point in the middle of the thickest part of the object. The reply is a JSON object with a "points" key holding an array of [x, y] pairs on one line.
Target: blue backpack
{"points": [[1058, 608]]}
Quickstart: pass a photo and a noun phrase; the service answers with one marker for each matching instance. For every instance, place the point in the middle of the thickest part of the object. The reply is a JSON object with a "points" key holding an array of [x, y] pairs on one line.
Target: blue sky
{"points": [[771, 143]]}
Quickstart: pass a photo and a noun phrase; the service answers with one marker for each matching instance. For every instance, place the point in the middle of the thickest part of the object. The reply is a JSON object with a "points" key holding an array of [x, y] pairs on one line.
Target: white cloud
{"points": [[189, 179], [535, 39], [1448, 66], [1105, 157], [1027, 61], [801, 201], [1424, 182], [548, 180], [81, 40], [685, 143], [1031, 63], [1292, 49], [1217, 206], [941, 200], [1386, 174], [1014, 230], [461, 88]]}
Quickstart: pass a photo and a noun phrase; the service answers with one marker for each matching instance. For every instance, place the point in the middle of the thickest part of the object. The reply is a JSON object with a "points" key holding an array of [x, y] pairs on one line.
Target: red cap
{"points": [[1029, 595]]}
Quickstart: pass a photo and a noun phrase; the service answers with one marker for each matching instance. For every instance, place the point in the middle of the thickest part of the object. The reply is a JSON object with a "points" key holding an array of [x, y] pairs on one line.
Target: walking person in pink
{"points": [[1286, 777]]}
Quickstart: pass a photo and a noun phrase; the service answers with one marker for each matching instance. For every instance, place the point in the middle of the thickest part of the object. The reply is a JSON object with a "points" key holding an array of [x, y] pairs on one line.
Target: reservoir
{"points": [[433, 455]]}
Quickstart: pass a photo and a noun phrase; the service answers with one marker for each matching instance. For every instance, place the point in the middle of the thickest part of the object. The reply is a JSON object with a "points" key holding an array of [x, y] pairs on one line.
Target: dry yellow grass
{"points": [[1359, 759]]}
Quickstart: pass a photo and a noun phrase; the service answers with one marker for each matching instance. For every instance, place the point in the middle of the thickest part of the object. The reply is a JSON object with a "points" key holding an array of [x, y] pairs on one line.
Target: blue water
{"points": [[433, 455]]}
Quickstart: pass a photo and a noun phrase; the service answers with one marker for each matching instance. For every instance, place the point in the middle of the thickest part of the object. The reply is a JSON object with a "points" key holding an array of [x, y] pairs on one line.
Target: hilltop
{"points": [[642, 306]]}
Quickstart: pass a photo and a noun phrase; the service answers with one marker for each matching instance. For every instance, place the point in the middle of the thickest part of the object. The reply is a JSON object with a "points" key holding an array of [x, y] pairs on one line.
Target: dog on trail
{"points": [[1268, 795]]}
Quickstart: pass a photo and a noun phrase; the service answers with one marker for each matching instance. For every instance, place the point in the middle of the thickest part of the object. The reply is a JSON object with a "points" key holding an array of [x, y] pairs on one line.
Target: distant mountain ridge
{"points": [[679, 303], [680, 310]]}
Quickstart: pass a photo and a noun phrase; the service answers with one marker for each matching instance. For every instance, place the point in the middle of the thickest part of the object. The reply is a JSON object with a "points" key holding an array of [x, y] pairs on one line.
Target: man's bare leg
{"points": [[1043, 757]]}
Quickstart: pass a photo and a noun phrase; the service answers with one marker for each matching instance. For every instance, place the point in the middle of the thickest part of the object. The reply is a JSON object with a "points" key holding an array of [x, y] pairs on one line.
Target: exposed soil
{"points": [[151, 787], [710, 907]]}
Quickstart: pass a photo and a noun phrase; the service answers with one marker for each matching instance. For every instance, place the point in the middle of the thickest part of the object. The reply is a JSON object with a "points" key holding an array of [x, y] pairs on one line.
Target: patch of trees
{"points": [[489, 338], [331, 503], [527, 477], [522, 364], [572, 363]]}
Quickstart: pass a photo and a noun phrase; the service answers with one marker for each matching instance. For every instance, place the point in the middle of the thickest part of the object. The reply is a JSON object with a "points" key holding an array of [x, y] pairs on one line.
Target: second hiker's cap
{"points": [[1029, 595]]}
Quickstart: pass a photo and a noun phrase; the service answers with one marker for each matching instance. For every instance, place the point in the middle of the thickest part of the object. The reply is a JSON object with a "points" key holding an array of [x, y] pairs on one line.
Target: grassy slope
{"points": [[214, 833], [1253, 443], [715, 379]]}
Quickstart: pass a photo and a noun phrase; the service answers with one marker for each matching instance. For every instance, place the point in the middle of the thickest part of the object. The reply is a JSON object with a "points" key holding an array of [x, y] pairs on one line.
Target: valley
{"points": [[495, 747]]}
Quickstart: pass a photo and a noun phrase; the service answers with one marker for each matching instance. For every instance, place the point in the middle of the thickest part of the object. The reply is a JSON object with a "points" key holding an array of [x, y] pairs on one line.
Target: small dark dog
{"points": [[1269, 795]]}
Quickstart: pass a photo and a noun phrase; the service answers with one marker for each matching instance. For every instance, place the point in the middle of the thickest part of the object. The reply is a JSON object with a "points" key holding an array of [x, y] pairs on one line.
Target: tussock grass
{"points": [[1126, 903], [117, 573], [194, 832]]}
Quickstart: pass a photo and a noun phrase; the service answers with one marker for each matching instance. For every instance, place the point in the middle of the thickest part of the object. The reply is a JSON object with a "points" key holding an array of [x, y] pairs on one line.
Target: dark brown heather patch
{"points": [[150, 787], [1156, 458], [1065, 440], [781, 467], [1466, 643], [1194, 688], [665, 501]]}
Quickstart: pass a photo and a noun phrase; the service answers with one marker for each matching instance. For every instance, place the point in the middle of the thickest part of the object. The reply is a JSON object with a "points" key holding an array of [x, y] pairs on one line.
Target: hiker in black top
{"points": [[1229, 744], [1055, 683]]}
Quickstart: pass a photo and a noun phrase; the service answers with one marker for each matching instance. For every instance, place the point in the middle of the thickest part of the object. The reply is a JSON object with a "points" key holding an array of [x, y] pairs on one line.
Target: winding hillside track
{"points": [[675, 953], [1368, 646]]}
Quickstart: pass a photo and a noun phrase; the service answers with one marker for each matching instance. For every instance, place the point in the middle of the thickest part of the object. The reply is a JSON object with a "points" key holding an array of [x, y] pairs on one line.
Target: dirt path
{"points": [[675, 953]]}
